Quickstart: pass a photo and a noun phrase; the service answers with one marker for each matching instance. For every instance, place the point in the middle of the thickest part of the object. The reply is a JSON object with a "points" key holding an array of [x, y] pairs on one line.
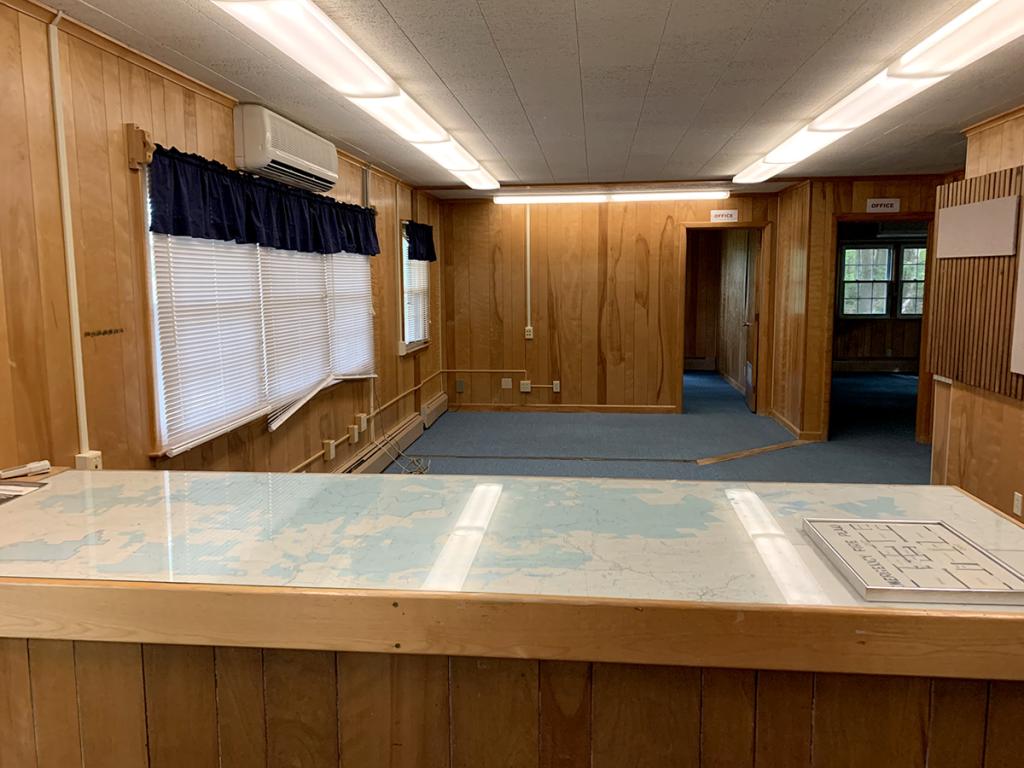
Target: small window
{"points": [[867, 273], [416, 296], [912, 264]]}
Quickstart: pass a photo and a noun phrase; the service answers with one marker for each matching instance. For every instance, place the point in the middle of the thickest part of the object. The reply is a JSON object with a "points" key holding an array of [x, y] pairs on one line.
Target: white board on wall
{"points": [[988, 228]]}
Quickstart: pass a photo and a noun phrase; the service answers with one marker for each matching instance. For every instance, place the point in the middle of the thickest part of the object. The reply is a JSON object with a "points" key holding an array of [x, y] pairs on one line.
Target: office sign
{"points": [[883, 205], [731, 215]]}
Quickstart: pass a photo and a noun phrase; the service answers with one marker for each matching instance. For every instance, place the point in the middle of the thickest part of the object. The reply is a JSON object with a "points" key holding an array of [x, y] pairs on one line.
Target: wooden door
{"points": [[750, 324]]}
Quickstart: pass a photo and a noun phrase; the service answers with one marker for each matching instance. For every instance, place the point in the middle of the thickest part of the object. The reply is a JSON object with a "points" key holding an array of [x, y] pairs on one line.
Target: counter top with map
{"points": [[425, 545]]}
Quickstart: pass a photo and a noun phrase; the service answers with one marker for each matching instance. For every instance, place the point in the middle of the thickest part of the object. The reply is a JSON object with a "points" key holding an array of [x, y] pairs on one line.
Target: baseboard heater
{"points": [[378, 457]]}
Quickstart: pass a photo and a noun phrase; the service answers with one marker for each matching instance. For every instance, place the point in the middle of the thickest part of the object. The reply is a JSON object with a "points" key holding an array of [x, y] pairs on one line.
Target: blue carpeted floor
{"points": [[872, 422]]}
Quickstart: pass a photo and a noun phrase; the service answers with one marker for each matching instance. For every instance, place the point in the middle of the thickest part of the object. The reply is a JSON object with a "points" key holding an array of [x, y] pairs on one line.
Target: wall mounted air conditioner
{"points": [[270, 145]]}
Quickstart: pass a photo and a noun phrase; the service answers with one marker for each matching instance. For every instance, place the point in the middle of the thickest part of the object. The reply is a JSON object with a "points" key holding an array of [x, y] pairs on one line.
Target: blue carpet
{"points": [[872, 424]]}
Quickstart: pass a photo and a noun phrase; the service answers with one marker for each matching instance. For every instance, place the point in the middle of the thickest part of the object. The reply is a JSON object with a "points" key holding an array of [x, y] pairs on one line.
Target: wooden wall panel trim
{"points": [[969, 644]]}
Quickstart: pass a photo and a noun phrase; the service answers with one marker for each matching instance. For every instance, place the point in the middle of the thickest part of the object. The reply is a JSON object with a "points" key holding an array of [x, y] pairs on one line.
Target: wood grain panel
{"points": [[645, 717], [565, 714], [111, 704], [863, 721], [302, 709], [996, 144], [494, 713], [393, 710], [181, 706], [703, 299]]}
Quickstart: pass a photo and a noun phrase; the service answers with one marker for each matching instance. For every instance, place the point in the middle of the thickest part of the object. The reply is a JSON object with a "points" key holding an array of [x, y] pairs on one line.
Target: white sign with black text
{"points": [[723, 215], [883, 205]]}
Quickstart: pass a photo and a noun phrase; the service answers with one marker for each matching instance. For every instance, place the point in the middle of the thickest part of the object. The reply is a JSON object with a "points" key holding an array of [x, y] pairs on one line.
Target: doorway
{"points": [[876, 343], [720, 325]]}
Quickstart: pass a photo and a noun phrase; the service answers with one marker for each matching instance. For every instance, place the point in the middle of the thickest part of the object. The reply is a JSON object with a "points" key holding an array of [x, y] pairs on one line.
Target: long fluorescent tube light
{"points": [[610, 197], [975, 33], [299, 29]]}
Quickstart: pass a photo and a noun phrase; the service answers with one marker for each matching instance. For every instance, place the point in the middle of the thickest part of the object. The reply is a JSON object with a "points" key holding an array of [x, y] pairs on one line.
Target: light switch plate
{"points": [[1018, 501], [525, 386], [556, 386], [506, 383]]}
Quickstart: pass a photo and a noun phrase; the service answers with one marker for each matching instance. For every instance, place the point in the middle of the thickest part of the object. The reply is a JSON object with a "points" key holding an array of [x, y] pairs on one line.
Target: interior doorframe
{"points": [[762, 303], [924, 380]]}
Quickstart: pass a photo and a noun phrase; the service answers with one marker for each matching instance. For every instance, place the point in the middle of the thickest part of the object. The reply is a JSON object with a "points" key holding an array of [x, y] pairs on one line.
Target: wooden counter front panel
{"points": [[120, 705]]}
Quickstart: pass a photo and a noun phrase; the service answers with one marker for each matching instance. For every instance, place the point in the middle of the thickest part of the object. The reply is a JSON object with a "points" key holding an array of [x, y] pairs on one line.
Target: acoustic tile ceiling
{"points": [[560, 91]]}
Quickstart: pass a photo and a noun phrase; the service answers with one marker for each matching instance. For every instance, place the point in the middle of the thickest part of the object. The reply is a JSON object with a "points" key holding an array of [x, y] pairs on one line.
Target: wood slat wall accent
{"points": [[971, 301], [113, 705], [607, 295], [106, 86]]}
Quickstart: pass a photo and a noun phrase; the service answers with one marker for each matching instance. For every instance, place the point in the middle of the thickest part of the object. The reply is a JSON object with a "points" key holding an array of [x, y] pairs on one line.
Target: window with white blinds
{"points": [[416, 296], [243, 330]]}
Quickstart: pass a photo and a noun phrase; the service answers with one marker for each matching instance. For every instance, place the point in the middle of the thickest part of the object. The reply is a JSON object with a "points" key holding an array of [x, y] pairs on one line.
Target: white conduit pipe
{"points": [[57, 96], [529, 318]]}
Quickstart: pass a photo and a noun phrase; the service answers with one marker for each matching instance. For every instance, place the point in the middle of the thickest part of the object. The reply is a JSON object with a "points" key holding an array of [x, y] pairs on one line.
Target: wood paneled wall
{"points": [[703, 299], [607, 296], [996, 144], [978, 433], [105, 87], [805, 286], [112, 705], [889, 344]]}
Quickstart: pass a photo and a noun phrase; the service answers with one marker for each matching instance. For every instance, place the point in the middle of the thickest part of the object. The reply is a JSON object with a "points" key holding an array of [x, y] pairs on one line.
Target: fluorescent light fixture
{"points": [[975, 33], [452, 566], [877, 96], [303, 32], [307, 35], [639, 197], [405, 117], [449, 154], [478, 179], [611, 197], [801, 145], [983, 28], [787, 569]]}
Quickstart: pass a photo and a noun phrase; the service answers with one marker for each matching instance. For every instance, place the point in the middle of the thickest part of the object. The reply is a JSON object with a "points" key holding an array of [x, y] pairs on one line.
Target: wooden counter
{"points": [[240, 620]]}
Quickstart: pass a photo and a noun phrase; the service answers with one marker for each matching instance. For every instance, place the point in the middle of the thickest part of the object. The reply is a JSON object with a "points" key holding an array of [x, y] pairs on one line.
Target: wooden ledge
{"points": [[880, 641]]}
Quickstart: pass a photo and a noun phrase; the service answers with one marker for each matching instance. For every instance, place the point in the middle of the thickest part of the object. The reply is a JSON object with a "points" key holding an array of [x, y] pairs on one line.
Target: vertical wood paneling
{"points": [[565, 714], [55, 703], [957, 725], [302, 709], [1004, 741], [996, 144], [785, 703], [645, 717], [181, 706], [728, 702], [111, 704], [393, 710], [494, 713], [241, 709], [17, 740]]}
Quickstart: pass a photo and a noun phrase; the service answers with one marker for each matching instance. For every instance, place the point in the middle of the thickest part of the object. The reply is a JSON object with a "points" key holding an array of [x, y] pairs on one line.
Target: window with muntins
{"points": [[882, 280]]}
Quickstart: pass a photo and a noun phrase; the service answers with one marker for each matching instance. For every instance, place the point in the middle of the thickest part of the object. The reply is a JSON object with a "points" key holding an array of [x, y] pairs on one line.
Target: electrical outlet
{"points": [[361, 420], [353, 434], [460, 385], [506, 383], [529, 332], [329, 450], [1018, 501], [525, 386], [556, 386]]}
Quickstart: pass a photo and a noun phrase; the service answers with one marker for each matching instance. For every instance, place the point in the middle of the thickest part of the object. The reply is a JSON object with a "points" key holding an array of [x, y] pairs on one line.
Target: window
{"points": [[416, 296], [882, 280], [244, 330], [912, 281]]}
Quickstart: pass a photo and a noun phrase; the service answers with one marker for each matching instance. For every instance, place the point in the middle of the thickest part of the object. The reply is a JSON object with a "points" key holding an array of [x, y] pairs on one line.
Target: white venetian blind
{"points": [[209, 337], [350, 299], [297, 322], [416, 296]]}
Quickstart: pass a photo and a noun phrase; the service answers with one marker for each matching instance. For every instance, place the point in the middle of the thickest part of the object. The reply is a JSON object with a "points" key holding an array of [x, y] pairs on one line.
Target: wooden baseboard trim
{"points": [[564, 408]]}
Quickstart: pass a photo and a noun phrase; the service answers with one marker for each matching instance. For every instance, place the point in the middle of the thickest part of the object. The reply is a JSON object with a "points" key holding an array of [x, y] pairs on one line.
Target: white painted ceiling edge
{"points": [[544, 91]]}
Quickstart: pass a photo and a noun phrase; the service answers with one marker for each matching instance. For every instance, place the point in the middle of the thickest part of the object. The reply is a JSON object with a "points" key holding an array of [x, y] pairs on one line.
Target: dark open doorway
{"points": [[876, 346], [720, 324]]}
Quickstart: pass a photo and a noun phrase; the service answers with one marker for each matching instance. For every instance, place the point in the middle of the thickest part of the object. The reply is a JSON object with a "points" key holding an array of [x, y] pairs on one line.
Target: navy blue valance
{"points": [[195, 197], [421, 241]]}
